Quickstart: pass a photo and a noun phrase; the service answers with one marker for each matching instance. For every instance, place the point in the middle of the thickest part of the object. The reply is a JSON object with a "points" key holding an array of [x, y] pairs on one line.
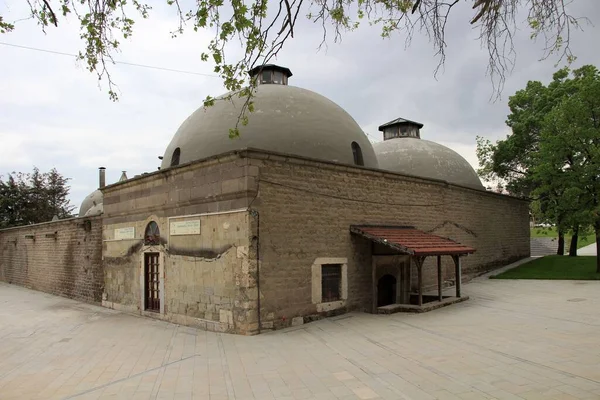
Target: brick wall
{"points": [[63, 258], [306, 209]]}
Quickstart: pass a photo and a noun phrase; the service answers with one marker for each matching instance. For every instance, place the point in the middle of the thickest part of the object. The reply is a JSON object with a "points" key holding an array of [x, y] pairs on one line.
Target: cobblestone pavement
{"points": [[511, 340]]}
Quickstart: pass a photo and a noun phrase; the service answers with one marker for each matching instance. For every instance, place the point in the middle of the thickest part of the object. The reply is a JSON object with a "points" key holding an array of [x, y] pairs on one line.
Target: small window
{"points": [[357, 153], [277, 77], [266, 76], [175, 158], [152, 234], [331, 282]]}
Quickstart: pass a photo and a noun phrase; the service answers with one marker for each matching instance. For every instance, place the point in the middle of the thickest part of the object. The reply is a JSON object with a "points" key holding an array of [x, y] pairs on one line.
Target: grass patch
{"points": [[582, 240], [544, 232], [555, 267]]}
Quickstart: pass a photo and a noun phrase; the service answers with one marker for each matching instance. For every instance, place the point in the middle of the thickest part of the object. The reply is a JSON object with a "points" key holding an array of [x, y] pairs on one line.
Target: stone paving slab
{"points": [[512, 340]]}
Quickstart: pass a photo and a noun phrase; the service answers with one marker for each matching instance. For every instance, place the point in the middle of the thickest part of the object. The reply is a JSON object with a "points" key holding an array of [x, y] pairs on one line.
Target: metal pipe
{"points": [[102, 177]]}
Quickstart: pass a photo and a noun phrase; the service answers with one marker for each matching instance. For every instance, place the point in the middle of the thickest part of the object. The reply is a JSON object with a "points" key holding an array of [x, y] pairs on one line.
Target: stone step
{"points": [[543, 246]]}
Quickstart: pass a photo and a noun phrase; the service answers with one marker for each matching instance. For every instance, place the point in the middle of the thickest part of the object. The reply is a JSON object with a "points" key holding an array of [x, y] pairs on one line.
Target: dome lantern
{"points": [[401, 127], [270, 74]]}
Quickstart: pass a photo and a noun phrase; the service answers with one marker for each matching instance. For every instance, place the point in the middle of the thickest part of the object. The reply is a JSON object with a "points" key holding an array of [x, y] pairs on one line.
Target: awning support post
{"points": [[439, 273], [419, 261], [458, 273], [373, 286]]}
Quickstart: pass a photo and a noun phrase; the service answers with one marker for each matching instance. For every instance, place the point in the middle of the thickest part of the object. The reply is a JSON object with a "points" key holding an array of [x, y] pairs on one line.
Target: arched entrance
{"points": [[386, 290]]}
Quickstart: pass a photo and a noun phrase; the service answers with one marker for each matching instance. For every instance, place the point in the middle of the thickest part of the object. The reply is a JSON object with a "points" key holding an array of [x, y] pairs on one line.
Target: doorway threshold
{"points": [[429, 306]]}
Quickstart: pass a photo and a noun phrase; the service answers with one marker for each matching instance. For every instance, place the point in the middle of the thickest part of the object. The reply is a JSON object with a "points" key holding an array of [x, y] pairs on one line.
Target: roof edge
{"points": [[275, 67], [250, 152], [397, 121]]}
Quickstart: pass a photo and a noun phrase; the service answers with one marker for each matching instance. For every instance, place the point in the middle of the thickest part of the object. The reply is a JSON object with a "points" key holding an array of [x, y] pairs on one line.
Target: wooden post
{"points": [[458, 274], [373, 285], [419, 261], [439, 265]]}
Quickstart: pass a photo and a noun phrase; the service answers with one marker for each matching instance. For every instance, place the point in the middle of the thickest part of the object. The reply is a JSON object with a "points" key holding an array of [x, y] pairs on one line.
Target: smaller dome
{"points": [[426, 159], [92, 205]]}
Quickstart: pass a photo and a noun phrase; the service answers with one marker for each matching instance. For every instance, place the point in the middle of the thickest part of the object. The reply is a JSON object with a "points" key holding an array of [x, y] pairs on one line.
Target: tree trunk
{"points": [[561, 244], [573, 247]]}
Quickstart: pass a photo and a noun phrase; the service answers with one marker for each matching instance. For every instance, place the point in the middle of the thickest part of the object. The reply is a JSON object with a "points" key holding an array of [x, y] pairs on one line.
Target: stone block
{"points": [[297, 321], [267, 325], [242, 252], [226, 316]]}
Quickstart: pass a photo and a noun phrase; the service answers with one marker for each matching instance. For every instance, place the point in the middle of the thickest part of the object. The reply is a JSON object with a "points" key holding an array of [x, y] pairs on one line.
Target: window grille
{"points": [[331, 282], [175, 158], [152, 281], [357, 153], [152, 234]]}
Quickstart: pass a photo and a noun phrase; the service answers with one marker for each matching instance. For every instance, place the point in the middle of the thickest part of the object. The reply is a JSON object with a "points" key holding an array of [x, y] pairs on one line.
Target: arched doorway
{"points": [[386, 290]]}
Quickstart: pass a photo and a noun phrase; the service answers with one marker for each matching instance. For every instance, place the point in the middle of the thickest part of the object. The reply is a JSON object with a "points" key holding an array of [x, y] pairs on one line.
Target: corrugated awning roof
{"points": [[411, 241]]}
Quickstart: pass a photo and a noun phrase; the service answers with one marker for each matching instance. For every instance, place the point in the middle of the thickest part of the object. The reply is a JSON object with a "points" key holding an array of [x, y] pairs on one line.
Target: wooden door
{"points": [[152, 281]]}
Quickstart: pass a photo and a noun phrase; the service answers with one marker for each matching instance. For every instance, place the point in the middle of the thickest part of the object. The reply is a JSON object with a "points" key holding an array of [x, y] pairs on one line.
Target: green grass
{"points": [[555, 267], [544, 232], [551, 232]]}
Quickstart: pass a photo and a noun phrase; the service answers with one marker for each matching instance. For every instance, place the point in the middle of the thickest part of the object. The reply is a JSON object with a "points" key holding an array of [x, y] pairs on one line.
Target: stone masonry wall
{"points": [[206, 278], [63, 258], [306, 209]]}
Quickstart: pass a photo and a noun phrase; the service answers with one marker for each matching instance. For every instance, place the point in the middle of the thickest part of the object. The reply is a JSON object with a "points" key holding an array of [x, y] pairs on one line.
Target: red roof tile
{"points": [[411, 241]]}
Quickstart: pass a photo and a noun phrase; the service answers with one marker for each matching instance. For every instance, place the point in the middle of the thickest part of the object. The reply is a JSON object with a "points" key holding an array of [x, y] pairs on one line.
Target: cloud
{"points": [[52, 113]]}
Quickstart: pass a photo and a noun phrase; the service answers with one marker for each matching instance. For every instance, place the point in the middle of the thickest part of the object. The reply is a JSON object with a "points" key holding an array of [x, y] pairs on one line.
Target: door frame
{"points": [[161, 279]]}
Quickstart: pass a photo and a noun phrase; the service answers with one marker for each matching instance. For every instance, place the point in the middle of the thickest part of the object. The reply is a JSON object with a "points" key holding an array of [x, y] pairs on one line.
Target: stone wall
{"points": [[63, 258], [206, 276], [306, 209]]}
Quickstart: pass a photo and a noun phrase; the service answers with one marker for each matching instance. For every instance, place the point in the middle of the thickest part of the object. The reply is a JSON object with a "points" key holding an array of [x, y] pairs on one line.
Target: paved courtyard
{"points": [[511, 340]]}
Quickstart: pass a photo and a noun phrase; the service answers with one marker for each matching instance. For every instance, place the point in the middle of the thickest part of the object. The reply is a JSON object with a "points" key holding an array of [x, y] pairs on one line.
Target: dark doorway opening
{"points": [[152, 280], [386, 290]]}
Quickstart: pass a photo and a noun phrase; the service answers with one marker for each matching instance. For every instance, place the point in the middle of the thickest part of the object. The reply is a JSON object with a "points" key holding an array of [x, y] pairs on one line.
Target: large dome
{"points": [[286, 119], [418, 157]]}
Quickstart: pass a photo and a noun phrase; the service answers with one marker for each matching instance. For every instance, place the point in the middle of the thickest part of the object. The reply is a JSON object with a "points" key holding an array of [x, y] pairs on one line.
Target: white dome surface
{"points": [[286, 119], [92, 205], [426, 159]]}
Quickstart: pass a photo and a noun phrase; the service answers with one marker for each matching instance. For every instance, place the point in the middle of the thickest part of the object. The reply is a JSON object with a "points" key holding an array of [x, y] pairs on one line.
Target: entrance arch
{"points": [[386, 290]]}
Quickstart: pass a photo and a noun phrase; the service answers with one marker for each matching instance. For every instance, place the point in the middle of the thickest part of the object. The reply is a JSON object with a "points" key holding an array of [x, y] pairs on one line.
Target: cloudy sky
{"points": [[53, 114]]}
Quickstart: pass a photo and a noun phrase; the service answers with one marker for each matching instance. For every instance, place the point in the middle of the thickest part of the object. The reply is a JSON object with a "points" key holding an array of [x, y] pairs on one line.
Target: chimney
{"points": [[123, 176], [102, 176]]}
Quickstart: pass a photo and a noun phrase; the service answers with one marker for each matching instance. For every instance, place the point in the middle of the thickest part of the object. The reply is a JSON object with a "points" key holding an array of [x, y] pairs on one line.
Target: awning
{"points": [[409, 240]]}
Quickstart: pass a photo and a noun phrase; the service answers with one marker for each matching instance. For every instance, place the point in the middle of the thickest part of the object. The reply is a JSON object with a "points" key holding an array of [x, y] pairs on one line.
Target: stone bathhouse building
{"points": [[299, 218]]}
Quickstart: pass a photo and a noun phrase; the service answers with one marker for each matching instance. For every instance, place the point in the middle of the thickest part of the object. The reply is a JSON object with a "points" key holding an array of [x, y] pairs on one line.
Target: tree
{"points": [[570, 147], [263, 30], [33, 198], [510, 161]]}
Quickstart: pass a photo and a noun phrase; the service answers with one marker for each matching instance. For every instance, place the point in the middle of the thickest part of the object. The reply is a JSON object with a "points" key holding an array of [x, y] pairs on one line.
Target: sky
{"points": [[55, 114]]}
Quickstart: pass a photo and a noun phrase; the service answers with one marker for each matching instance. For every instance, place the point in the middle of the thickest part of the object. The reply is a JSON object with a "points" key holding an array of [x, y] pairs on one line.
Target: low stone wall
{"points": [[63, 258]]}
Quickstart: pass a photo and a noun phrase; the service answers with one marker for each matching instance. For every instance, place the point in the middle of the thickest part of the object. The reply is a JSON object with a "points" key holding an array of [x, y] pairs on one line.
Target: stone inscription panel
{"points": [[125, 233], [189, 227]]}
